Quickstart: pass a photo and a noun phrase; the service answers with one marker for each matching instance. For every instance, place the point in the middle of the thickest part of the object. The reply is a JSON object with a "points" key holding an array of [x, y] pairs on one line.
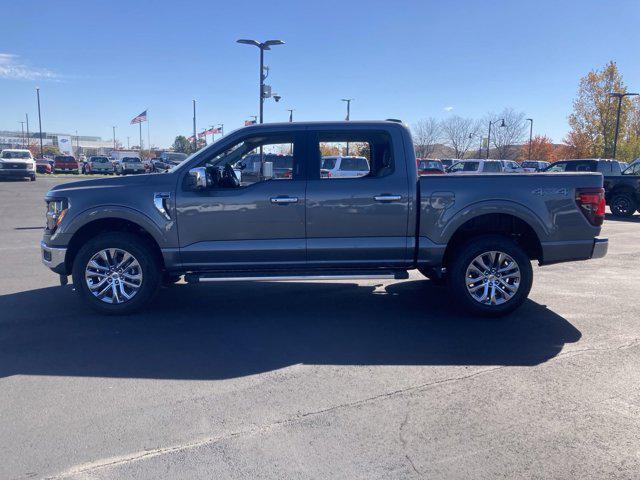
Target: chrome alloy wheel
{"points": [[113, 275], [492, 278]]}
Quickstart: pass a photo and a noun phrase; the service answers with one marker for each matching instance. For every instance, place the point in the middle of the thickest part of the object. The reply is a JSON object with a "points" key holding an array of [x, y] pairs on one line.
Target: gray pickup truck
{"points": [[216, 217]]}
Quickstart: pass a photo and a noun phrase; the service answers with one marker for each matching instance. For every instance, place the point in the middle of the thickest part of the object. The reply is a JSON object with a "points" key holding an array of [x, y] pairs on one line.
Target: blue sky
{"points": [[99, 64]]}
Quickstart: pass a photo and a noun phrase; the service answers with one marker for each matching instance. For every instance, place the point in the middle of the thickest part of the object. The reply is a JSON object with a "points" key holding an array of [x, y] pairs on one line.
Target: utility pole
{"points": [[195, 135], [619, 96], [114, 137], [40, 122], [530, 134], [22, 126]]}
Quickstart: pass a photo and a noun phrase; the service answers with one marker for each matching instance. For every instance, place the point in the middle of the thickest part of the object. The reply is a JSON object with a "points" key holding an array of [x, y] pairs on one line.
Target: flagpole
{"points": [[148, 134], [140, 125]]}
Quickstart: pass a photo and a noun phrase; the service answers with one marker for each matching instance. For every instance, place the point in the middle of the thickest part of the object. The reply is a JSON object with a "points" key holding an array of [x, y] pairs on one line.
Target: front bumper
{"points": [[600, 247], [16, 172], [54, 258]]}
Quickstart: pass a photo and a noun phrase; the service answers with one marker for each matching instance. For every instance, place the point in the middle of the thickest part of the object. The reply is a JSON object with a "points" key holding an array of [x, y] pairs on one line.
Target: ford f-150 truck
{"points": [[215, 217]]}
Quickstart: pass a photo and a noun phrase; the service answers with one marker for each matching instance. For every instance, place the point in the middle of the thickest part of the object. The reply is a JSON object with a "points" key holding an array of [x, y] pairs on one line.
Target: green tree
{"points": [[594, 111], [182, 145]]}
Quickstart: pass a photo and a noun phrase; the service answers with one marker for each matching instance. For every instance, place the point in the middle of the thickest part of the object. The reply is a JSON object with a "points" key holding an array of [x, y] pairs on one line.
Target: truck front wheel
{"points": [[490, 276], [623, 205], [116, 273]]}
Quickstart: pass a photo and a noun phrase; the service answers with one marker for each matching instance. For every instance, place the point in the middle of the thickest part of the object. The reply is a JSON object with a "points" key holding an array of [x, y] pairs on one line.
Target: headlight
{"points": [[30, 166], [56, 210]]}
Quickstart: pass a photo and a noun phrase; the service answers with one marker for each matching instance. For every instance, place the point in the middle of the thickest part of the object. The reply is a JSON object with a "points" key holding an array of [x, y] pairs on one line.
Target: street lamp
{"points": [[348, 100], [23, 139], [530, 134], [619, 96], [114, 137], [40, 122], [262, 46], [502, 125]]}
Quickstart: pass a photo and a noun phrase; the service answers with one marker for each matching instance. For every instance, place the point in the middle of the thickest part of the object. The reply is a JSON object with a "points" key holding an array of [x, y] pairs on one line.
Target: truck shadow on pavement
{"points": [[633, 219], [232, 330]]}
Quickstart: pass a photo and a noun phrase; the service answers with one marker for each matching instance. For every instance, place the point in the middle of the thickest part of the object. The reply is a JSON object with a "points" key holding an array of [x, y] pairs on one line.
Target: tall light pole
{"points": [[348, 100], [348, 117], [619, 96], [221, 125], [77, 144], [40, 122], [195, 135], [28, 137], [114, 137], [262, 46], [290, 110], [502, 125], [530, 134], [22, 126]]}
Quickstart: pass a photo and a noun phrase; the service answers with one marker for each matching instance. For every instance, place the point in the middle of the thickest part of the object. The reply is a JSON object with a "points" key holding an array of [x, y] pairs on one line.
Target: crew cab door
{"points": [[359, 219], [257, 222]]}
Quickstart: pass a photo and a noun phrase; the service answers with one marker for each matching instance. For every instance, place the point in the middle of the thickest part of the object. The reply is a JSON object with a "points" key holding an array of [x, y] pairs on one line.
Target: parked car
{"points": [[99, 164], [65, 163], [120, 238], [43, 165], [534, 165], [129, 165], [345, 166], [447, 162], [429, 167], [603, 165], [622, 192], [167, 160], [509, 166], [17, 163], [476, 166]]}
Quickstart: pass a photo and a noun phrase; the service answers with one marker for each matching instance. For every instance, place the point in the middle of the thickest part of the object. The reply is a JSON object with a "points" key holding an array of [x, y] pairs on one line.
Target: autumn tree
{"points": [[426, 133], [541, 149], [593, 119], [459, 134]]}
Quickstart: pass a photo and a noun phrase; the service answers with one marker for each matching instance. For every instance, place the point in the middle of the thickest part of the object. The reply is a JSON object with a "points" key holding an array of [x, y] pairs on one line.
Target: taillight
{"points": [[592, 204]]}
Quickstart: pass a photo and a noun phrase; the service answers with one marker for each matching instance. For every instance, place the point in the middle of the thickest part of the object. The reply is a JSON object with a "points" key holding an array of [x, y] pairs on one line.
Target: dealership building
{"points": [[66, 142]]}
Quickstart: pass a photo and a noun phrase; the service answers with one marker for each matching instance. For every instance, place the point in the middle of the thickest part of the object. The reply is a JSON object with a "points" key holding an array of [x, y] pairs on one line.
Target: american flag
{"points": [[249, 122], [203, 134], [213, 131], [140, 118]]}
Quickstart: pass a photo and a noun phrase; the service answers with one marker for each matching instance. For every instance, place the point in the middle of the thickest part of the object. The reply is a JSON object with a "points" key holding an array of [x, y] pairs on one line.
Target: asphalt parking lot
{"points": [[317, 380]]}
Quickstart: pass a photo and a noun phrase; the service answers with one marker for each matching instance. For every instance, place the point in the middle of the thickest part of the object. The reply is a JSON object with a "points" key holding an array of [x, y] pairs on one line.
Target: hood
{"points": [[114, 183]]}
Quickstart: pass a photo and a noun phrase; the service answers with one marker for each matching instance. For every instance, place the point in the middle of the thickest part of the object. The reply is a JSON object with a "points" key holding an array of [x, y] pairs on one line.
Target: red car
{"points": [[43, 165], [429, 167], [65, 163]]}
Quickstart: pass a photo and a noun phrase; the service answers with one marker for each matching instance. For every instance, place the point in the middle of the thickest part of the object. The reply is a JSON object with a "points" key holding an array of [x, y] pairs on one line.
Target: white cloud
{"points": [[448, 109], [11, 68]]}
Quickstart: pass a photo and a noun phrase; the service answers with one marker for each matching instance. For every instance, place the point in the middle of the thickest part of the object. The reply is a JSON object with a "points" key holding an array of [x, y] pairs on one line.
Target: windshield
{"points": [[429, 165], [64, 159], [100, 159], [15, 155], [131, 160], [530, 164], [328, 163]]}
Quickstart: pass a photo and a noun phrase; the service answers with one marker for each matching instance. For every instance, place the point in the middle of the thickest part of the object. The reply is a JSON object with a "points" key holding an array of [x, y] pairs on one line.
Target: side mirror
{"points": [[198, 179]]}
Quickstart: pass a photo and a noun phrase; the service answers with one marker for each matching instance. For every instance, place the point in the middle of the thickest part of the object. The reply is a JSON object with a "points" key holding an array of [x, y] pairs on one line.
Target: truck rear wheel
{"points": [[491, 276], [623, 205], [116, 273]]}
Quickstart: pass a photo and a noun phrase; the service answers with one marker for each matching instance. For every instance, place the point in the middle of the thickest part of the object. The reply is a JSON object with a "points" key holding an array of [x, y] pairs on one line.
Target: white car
{"points": [[17, 163], [129, 165], [344, 167], [485, 166], [534, 165]]}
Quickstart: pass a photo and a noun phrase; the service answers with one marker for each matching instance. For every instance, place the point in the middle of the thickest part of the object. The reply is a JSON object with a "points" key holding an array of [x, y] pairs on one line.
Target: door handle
{"points": [[284, 200], [387, 198]]}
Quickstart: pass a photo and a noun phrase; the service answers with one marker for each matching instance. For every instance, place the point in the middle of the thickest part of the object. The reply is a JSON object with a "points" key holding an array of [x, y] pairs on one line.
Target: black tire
{"points": [[32, 178], [133, 244], [623, 205], [457, 274]]}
